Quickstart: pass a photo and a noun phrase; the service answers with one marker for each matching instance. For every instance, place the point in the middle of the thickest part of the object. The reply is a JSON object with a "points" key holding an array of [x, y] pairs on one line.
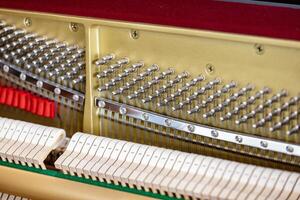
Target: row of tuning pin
{"points": [[48, 58], [136, 81], [209, 98]]}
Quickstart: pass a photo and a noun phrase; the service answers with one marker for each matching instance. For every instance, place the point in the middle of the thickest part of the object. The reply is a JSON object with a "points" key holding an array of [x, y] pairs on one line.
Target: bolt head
{"points": [[75, 97], [22, 77], [101, 104], [264, 144], [239, 139], [134, 34], [145, 116], [214, 133], [289, 149], [6, 68], [39, 84], [27, 22], [168, 122], [259, 49], [209, 68], [123, 110], [57, 91], [74, 27], [191, 128]]}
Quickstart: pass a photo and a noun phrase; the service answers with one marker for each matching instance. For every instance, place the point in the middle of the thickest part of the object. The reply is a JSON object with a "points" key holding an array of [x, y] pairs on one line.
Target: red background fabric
{"points": [[270, 21]]}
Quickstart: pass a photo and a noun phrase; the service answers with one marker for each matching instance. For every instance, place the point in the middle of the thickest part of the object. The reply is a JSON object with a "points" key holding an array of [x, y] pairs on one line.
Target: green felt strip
{"points": [[59, 174]]}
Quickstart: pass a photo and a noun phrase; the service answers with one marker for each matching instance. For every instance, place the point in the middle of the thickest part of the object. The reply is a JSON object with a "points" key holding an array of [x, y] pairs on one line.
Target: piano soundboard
{"points": [[92, 108]]}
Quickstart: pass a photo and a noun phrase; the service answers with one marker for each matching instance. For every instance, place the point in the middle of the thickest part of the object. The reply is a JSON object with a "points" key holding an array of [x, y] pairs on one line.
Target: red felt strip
{"points": [[27, 101], [234, 17]]}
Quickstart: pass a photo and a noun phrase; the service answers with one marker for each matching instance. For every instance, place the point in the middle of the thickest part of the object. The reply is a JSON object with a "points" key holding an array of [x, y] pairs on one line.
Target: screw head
{"points": [[22, 77], [168, 122], [209, 68], [101, 104], [289, 149], [145, 116], [191, 128], [39, 84], [264, 144], [27, 22], [134, 34], [57, 91], [259, 49], [214, 133], [75, 97], [74, 27], [123, 110], [239, 139], [6, 68]]}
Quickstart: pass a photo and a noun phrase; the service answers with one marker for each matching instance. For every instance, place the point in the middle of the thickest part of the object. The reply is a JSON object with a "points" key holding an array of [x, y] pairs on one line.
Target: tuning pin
{"points": [[214, 82], [112, 68], [276, 97], [45, 67], [152, 82], [293, 130], [60, 45], [227, 87], [13, 36], [276, 111], [211, 98], [51, 42], [79, 66], [133, 67], [164, 74], [105, 59], [285, 121], [210, 113], [226, 117], [194, 96], [6, 30], [180, 91], [57, 71], [128, 71], [244, 104], [80, 51], [146, 73], [136, 79], [79, 79], [108, 71], [122, 61], [250, 115], [149, 98], [164, 88], [2, 24], [232, 98], [66, 77], [185, 88], [121, 90], [109, 84], [194, 110], [143, 88]]}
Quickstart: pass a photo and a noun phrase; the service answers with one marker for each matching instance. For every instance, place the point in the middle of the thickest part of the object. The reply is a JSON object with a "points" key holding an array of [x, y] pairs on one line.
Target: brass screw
{"points": [[74, 27], [27, 22], [134, 34], [209, 68], [259, 49]]}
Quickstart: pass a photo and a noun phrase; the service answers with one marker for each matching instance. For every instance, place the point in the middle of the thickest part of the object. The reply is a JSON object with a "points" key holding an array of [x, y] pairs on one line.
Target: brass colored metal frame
{"points": [[234, 57], [247, 59]]}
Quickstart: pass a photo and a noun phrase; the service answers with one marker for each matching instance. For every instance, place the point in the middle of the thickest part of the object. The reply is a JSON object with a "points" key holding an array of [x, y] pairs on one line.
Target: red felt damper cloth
{"points": [[26, 101], [260, 20]]}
